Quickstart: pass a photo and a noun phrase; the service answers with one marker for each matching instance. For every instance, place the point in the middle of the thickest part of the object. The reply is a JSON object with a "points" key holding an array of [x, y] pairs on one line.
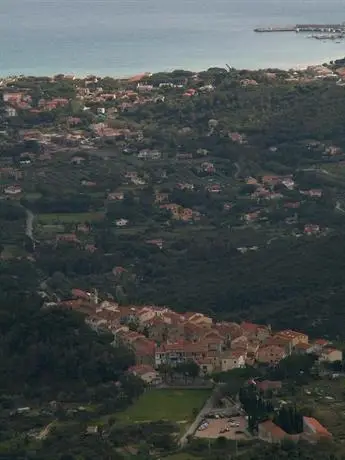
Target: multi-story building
{"points": [[232, 359], [292, 337], [270, 354], [170, 353]]}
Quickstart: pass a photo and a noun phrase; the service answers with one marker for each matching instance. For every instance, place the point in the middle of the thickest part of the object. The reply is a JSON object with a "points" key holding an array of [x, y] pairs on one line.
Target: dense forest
{"points": [[48, 355]]}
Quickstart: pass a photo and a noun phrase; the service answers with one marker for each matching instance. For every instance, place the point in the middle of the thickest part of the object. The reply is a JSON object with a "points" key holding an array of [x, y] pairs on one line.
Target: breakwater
{"points": [[328, 28]]}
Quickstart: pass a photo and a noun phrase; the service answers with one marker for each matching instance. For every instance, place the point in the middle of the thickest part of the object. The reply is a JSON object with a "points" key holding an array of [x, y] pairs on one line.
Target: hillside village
{"points": [[159, 336], [163, 340]]}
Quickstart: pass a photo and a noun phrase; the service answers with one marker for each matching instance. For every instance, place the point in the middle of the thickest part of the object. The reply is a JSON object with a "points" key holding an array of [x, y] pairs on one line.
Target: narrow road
{"points": [[44, 433], [339, 207], [238, 170], [29, 224], [208, 406], [318, 170]]}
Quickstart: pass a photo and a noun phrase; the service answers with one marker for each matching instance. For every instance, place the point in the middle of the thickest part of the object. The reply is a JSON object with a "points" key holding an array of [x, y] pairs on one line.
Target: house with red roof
{"points": [[207, 365], [170, 353], [292, 337], [270, 432], [258, 331], [228, 330], [271, 354], [214, 340], [79, 294], [68, 237], [198, 318], [144, 351], [193, 332], [330, 355], [232, 359], [313, 430], [318, 345], [240, 343], [311, 229], [196, 351], [147, 373]]}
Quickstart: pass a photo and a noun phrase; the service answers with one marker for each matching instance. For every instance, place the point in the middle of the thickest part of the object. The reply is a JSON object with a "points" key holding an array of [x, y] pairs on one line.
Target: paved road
{"points": [[339, 207], [208, 406], [29, 224]]}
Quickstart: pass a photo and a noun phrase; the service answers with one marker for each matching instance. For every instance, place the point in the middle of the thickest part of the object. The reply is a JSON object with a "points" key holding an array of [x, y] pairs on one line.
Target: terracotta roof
{"points": [[191, 328], [289, 334], [172, 318], [144, 347], [155, 321], [141, 369], [275, 430], [238, 353], [249, 327], [277, 341], [240, 342], [233, 329], [316, 425], [272, 348], [195, 347], [321, 342], [170, 347], [213, 334]]}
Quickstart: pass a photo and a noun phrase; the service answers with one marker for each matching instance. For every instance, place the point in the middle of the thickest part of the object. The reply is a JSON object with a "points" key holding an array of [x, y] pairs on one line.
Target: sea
{"points": [[127, 37]]}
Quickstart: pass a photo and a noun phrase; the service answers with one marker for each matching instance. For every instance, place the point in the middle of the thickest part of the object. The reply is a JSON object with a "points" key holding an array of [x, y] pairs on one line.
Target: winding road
{"points": [[238, 170], [30, 217], [29, 227]]}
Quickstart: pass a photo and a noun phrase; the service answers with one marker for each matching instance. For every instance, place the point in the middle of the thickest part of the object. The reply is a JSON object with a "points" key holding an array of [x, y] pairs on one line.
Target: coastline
{"points": [[298, 66]]}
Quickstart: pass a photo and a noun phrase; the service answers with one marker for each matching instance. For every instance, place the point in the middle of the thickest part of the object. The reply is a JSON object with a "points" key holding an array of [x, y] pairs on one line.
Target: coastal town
{"points": [[178, 237], [74, 139]]}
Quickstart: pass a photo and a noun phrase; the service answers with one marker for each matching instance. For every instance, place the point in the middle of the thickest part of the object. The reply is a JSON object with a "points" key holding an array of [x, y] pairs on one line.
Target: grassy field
{"points": [[325, 399], [171, 405], [69, 218]]}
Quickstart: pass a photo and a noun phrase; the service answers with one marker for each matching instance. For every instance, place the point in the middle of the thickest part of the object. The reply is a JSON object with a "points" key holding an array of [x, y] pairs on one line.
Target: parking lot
{"points": [[223, 427]]}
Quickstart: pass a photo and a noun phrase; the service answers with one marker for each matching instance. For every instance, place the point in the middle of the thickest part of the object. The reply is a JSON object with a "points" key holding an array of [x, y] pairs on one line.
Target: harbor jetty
{"points": [[320, 28]]}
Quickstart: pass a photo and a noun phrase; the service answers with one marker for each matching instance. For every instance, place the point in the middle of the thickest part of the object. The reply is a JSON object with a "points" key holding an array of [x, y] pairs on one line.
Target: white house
{"points": [[147, 373], [121, 222], [13, 190], [233, 359]]}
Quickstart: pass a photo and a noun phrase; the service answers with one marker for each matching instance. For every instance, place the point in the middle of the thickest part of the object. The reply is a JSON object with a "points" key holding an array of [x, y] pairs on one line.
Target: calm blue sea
{"points": [[124, 37]]}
